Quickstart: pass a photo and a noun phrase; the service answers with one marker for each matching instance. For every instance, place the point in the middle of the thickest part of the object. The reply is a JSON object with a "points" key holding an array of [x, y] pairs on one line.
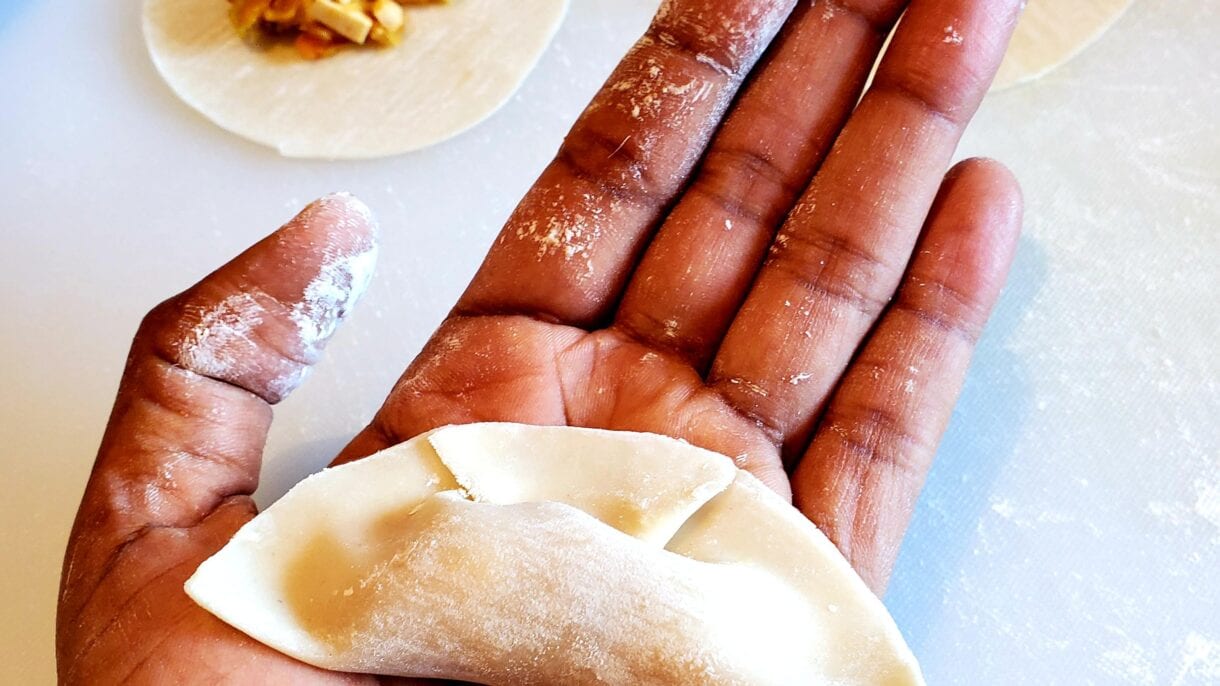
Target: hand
{"points": [[679, 268]]}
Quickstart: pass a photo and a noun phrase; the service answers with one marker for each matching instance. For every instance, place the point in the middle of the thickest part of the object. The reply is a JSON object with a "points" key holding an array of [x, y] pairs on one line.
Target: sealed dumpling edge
{"points": [[504, 553]]}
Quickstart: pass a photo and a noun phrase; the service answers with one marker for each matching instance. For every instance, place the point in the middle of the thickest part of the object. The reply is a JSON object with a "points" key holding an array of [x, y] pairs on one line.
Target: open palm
{"points": [[757, 265]]}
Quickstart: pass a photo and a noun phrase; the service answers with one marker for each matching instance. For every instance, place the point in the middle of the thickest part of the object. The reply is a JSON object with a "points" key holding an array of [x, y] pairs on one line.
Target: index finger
{"points": [[570, 245]]}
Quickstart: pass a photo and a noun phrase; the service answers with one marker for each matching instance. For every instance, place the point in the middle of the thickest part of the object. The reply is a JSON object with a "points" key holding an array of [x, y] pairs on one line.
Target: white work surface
{"points": [[1070, 532]]}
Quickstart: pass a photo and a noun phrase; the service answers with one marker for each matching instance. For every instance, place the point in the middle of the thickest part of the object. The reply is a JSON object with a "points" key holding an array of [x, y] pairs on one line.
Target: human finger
{"points": [[839, 256], [697, 270], [186, 434], [567, 250], [860, 477]]}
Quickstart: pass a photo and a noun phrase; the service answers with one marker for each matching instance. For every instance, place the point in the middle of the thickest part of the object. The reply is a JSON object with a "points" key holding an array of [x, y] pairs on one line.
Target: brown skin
{"points": [[827, 359]]}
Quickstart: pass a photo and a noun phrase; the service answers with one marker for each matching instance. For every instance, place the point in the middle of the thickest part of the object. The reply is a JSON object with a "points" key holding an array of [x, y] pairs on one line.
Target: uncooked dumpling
{"points": [[510, 554], [458, 64], [1052, 32]]}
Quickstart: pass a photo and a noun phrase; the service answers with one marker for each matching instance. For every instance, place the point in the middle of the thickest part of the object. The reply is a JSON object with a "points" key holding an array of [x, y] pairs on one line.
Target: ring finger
{"points": [[839, 256]]}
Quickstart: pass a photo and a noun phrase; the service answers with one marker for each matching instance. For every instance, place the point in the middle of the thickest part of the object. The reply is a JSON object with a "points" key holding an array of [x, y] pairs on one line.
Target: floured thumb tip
{"points": [[346, 214]]}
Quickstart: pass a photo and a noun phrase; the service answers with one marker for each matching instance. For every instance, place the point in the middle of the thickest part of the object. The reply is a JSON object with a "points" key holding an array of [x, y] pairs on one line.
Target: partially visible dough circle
{"points": [[569, 556], [1051, 32], [458, 65]]}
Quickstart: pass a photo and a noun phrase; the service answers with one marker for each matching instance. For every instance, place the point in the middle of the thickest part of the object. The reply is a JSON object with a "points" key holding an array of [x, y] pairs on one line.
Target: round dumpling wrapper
{"points": [[1051, 33], [457, 65]]}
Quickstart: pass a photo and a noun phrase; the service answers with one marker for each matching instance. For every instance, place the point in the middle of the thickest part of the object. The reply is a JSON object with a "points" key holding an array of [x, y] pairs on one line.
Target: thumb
{"points": [[188, 427]]}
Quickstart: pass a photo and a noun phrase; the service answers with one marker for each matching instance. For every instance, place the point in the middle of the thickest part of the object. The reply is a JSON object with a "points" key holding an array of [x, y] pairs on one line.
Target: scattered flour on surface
{"points": [[1129, 663], [1003, 507], [1184, 513], [1200, 659], [1207, 501]]}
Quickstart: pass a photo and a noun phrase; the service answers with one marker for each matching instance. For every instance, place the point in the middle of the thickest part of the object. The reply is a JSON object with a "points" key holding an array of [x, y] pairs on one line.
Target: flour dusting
{"points": [[1184, 513], [283, 384], [223, 344], [749, 386], [1207, 501], [828, 11], [215, 345], [647, 90], [570, 229], [1200, 658], [671, 328], [328, 299]]}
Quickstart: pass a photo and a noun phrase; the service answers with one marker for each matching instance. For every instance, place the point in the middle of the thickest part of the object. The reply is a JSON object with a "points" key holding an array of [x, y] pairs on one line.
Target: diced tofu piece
{"points": [[346, 21], [389, 13]]}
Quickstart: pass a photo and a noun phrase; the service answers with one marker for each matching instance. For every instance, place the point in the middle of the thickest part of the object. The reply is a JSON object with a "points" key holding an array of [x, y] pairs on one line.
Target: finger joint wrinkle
{"points": [[136, 534], [878, 16], [904, 91], [113, 620], [730, 177], [953, 326], [175, 364], [773, 432], [678, 41], [880, 437], [610, 166], [844, 272]]}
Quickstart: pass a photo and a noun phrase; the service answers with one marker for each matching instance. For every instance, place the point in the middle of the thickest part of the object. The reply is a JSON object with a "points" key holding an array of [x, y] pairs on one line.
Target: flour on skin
{"points": [[225, 340], [212, 347]]}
